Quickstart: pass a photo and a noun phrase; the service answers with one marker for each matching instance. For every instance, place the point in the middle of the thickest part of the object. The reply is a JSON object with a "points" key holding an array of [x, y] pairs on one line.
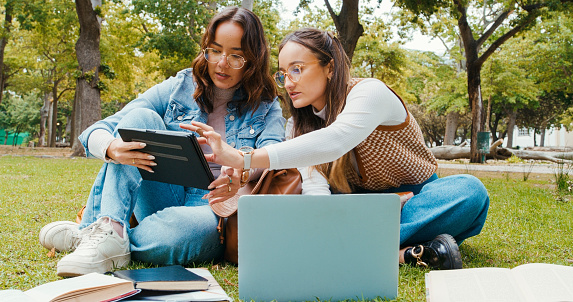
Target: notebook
{"points": [[165, 278], [305, 248]]}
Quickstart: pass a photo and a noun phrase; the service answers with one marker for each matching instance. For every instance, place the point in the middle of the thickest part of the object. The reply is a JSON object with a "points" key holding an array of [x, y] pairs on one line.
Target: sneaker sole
{"points": [[48, 227], [81, 268], [450, 242]]}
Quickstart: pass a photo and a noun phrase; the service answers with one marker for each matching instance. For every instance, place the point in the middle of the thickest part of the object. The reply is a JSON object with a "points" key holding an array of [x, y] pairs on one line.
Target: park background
{"points": [[503, 67], [525, 64]]}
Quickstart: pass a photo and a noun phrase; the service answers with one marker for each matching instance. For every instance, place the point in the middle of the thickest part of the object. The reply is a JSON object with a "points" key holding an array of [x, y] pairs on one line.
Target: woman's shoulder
{"points": [[184, 75], [363, 82]]}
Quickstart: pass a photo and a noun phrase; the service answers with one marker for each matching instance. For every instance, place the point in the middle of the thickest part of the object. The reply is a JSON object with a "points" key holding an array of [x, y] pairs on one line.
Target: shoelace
{"points": [[93, 235]]}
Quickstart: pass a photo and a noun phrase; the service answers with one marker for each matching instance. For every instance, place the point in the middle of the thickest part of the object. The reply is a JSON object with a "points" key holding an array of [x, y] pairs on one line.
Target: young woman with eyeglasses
{"points": [[228, 88], [357, 136]]}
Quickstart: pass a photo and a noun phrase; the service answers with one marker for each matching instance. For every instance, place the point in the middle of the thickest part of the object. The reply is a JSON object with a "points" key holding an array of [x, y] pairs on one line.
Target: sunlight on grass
{"points": [[526, 223]]}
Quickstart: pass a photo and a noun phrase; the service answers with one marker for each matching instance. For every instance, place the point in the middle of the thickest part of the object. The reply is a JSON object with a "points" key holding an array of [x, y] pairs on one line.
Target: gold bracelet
{"points": [[245, 177]]}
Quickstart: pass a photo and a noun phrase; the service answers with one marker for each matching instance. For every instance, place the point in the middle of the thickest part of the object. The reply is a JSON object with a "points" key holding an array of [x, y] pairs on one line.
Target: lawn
{"points": [[527, 222]]}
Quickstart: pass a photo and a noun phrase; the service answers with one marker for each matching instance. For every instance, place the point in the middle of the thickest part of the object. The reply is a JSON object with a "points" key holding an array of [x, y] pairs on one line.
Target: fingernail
{"points": [[210, 187], [151, 157], [153, 164], [151, 171], [142, 144]]}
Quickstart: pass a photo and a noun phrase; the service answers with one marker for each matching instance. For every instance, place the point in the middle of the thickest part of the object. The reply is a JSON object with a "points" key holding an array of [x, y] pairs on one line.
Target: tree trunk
{"points": [[44, 113], [457, 152], [53, 123], [347, 24], [511, 127], [488, 115], [543, 130], [452, 121], [473, 67], [49, 127], [8, 11], [54, 115], [87, 101]]}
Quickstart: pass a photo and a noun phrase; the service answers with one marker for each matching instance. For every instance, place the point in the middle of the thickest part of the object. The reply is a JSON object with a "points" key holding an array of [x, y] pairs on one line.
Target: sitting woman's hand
{"points": [[223, 154], [225, 186], [126, 153]]}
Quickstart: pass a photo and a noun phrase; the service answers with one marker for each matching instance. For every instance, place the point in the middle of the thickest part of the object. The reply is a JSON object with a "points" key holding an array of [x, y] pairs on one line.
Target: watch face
{"points": [[246, 149]]}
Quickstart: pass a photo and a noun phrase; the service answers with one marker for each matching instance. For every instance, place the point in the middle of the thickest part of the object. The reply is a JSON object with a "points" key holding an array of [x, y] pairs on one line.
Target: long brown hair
{"points": [[257, 81], [327, 48]]}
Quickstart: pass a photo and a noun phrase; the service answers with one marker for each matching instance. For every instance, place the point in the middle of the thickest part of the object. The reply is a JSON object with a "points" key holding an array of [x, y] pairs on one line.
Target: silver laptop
{"points": [[304, 248]]}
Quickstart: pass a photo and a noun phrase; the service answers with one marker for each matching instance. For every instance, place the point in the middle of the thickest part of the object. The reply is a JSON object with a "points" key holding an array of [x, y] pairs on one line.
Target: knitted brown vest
{"points": [[392, 156]]}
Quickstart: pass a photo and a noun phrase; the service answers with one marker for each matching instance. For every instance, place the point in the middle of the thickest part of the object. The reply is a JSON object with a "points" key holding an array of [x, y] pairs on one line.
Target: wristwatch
{"points": [[247, 153]]}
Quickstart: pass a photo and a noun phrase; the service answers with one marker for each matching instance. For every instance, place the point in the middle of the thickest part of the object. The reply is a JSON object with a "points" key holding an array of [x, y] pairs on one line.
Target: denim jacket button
{"points": [[232, 118], [179, 117], [232, 144], [252, 131]]}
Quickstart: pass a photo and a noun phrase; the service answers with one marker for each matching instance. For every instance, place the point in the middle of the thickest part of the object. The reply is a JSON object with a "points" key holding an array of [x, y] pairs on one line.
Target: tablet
{"points": [[179, 158]]}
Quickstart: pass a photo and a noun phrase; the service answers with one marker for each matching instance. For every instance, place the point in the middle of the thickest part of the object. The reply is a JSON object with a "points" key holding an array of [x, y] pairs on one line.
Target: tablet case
{"points": [[179, 158]]}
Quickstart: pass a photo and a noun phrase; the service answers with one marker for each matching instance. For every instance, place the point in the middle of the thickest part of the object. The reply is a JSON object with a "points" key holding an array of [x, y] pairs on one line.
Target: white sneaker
{"points": [[101, 249], [64, 236]]}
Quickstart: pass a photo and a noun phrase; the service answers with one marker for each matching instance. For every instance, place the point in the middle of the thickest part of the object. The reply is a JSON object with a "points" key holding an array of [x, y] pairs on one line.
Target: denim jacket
{"points": [[173, 101]]}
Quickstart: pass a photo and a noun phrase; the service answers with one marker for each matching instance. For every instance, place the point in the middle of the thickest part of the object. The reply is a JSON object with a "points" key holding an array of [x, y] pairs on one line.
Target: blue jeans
{"points": [[455, 205], [175, 226]]}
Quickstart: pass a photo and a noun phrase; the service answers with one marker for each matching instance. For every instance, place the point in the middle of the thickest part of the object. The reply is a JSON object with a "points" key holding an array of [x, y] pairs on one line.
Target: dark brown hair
{"points": [[328, 50], [257, 81]]}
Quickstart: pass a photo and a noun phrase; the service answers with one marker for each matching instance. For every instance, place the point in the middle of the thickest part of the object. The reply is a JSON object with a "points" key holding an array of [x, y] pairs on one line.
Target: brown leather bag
{"points": [[286, 181]]}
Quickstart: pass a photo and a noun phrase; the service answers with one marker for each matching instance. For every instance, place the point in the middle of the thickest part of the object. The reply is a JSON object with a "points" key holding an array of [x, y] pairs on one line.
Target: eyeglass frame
{"points": [[226, 56], [288, 73]]}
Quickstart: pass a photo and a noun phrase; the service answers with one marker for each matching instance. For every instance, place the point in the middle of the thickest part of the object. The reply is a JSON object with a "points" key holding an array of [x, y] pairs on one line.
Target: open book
{"points": [[92, 287], [534, 282]]}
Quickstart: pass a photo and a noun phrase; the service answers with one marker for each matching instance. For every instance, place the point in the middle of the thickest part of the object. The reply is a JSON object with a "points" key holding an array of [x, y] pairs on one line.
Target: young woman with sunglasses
{"points": [[357, 136], [228, 88]]}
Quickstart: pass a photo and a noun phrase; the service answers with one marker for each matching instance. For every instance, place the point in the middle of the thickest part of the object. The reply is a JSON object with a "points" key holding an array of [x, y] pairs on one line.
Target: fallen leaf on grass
{"points": [[229, 282], [51, 253]]}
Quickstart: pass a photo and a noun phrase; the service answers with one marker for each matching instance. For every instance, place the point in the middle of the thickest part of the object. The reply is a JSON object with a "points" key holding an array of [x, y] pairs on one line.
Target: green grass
{"points": [[527, 222]]}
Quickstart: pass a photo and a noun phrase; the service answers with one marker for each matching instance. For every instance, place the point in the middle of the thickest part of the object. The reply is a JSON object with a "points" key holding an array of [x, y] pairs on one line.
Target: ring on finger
{"points": [[133, 161], [230, 179], [229, 187]]}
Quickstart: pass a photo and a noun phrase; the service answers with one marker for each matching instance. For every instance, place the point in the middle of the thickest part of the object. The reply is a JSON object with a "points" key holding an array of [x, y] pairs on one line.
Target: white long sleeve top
{"points": [[369, 104]]}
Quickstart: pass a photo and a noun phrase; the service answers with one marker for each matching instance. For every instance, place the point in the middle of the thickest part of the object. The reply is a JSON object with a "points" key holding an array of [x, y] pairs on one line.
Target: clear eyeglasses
{"points": [[294, 72], [215, 56]]}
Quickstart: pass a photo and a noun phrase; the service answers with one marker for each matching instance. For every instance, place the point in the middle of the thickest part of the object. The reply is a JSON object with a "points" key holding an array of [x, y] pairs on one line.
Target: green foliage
{"points": [[20, 114], [514, 159], [124, 67], [375, 57], [563, 179], [173, 28]]}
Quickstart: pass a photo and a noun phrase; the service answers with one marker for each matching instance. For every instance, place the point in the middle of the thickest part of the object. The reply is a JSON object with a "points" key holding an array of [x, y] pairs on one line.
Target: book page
{"points": [[473, 285], [14, 295], [78, 286], [545, 282]]}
